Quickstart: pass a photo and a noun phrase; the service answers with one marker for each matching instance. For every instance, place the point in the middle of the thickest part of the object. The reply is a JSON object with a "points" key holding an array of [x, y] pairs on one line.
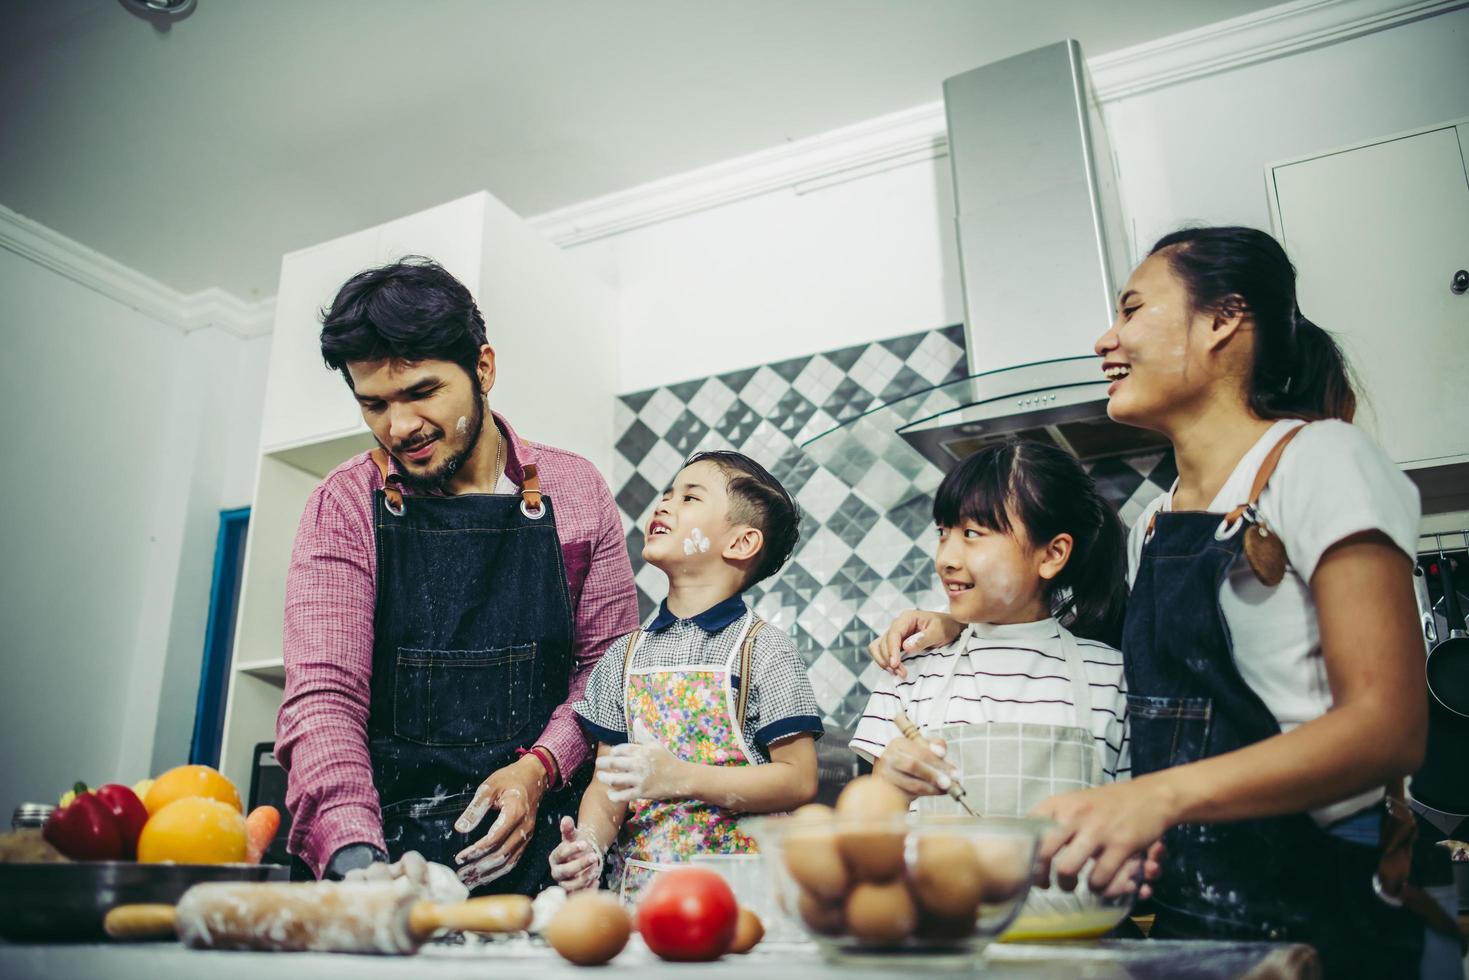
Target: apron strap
{"points": [[1081, 688], [530, 488], [747, 652], [632, 643], [1264, 473], [391, 489]]}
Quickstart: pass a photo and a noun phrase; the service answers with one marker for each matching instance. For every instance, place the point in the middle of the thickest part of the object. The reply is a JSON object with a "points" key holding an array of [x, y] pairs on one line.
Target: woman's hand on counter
{"points": [[917, 770], [912, 631], [1120, 825]]}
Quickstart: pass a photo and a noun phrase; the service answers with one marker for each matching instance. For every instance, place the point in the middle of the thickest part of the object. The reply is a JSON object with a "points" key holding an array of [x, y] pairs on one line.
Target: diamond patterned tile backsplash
{"points": [[860, 561]]}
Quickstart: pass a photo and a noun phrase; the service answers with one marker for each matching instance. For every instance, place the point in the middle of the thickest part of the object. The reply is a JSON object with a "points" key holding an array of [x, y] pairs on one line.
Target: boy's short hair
{"points": [[757, 499]]}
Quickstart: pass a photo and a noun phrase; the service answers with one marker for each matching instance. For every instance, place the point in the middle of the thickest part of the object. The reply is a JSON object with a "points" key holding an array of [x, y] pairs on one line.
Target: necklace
{"points": [[499, 459]]}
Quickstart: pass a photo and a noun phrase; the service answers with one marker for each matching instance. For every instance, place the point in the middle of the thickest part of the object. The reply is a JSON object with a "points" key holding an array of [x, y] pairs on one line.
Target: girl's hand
{"points": [[1115, 824], [642, 770], [914, 769], [576, 862], [913, 630]]}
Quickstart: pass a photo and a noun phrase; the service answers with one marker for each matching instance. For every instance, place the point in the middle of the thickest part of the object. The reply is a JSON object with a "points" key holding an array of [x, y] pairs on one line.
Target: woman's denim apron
{"points": [[1277, 878]]}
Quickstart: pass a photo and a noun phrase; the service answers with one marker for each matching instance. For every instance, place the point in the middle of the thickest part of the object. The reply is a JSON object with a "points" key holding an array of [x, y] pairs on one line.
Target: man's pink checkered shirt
{"points": [[321, 732]]}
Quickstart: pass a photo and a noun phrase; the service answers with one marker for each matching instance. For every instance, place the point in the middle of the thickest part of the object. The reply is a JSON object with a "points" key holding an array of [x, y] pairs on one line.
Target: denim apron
{"points": [[472, 652], [1277, 878]]}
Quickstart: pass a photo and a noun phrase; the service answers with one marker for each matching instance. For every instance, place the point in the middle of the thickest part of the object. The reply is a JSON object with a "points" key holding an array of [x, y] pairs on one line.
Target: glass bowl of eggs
{"points": [[871, 881]]}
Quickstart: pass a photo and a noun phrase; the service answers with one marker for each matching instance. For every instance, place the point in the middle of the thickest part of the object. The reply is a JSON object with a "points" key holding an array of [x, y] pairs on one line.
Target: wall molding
{"points": [[900, 139], [185, 312], [919, 134]]}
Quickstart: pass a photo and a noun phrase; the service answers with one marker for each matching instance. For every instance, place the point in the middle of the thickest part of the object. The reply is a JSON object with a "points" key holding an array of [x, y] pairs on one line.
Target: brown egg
{"points": [[1003, 866], [811, 855], [881, 913], [590, 929], [946, 876], [823, 917], [874, 854], [749, 931]]}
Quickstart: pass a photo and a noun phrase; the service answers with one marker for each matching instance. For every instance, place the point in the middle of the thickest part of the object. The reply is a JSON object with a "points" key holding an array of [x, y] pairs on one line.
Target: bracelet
{"points": [[546, 759]]}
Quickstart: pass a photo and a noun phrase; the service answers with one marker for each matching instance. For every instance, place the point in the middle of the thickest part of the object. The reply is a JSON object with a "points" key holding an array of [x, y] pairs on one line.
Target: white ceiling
{"points": [[253, 127]]}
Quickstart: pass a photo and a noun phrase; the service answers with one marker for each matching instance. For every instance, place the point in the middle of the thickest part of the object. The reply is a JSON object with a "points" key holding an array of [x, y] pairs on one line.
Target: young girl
{"points": [[1274, 665], [1030, 700]]}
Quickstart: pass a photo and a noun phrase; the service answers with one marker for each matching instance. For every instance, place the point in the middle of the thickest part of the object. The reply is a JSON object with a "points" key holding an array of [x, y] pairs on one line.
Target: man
{"points": [[448, 595]]}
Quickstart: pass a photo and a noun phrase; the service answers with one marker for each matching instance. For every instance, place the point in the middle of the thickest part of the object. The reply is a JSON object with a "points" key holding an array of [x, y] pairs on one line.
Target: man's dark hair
{"points": [[411, 310], [757, 499]]}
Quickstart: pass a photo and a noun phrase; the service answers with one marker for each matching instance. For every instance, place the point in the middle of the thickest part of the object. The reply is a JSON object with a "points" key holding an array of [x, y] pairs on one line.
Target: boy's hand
{"points": [[576, 863], [915, 769], [913, 630], [642, 770]]}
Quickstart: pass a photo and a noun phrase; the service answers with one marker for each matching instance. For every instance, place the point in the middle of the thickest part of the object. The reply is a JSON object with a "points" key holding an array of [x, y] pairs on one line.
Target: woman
{"points": [[1273, 691]]}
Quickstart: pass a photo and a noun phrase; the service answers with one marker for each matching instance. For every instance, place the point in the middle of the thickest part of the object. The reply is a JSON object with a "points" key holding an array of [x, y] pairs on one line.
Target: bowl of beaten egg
{"points": [[868, 882]]}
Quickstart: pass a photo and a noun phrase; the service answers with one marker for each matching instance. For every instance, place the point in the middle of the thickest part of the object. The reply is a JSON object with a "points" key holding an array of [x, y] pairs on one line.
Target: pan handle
{"points": [[1425, 606], [1450, 598]]}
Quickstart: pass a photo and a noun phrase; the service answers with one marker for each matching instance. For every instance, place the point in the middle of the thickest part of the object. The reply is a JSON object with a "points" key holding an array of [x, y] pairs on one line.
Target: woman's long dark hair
{"points": [[1046, 491], [1299, 371]]}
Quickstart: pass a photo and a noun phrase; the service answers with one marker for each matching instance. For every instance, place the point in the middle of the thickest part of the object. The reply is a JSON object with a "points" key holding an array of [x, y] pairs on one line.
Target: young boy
{"points": [[706, 713]]}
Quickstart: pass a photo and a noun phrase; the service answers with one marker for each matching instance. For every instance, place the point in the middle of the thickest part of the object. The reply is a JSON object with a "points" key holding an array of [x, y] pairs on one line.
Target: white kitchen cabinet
{"points": [[553, 328], [1378, 232]]}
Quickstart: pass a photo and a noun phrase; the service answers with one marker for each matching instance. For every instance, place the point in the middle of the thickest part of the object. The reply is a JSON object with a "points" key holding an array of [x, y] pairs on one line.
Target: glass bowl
{"points": [[932, 887], [1052, 913]]}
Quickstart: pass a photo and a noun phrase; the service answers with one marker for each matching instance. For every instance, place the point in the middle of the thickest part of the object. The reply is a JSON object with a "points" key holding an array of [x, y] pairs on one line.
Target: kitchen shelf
{"points": [[271, 670]]}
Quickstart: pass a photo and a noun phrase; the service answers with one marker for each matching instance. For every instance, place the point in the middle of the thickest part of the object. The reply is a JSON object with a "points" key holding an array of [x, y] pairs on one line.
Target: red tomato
{"points": [[689, 914]]}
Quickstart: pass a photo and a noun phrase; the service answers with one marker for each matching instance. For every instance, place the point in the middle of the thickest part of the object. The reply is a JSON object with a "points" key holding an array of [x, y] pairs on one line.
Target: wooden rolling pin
{"points": [[328, 917]]}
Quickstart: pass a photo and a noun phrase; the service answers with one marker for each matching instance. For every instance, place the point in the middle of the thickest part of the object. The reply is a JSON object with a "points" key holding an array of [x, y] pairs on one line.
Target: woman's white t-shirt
{"points": [[1332, 482]]}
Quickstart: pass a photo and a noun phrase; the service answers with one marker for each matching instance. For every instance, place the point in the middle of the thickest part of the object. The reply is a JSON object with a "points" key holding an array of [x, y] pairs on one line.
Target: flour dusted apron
{"points": [[472, 652], [697, 714], [1273, 878]]}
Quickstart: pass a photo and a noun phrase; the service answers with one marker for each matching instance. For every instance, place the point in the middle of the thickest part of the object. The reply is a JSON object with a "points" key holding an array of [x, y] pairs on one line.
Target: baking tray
{"points": [[66, 902]]}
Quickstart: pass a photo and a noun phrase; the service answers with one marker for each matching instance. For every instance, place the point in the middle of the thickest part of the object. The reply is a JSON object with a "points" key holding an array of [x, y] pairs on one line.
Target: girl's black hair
{"points": [[1045, 490], [1299, 371]]}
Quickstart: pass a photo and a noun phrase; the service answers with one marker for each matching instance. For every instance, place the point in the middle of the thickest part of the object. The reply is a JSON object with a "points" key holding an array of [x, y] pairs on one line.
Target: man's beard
{"points": [[435, 480]]}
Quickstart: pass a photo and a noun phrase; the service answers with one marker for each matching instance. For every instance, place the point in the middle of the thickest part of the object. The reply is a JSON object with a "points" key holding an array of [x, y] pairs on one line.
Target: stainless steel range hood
{"points": [[1041, 252]]}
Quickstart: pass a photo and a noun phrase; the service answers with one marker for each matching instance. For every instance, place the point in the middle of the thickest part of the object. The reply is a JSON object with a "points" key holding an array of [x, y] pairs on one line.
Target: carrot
{"points": [[260, 828]]}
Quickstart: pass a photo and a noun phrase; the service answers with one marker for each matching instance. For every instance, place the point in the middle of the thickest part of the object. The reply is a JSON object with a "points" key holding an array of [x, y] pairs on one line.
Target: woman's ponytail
{"points": [[1299, 371]]}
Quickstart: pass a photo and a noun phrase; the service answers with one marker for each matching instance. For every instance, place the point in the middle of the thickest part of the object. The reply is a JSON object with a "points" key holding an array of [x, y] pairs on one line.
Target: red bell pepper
{"points": [[85, 829], [127, 811]]}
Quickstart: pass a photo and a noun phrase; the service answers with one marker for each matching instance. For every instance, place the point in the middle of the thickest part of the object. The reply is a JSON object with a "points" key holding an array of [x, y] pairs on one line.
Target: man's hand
{"points": [[642, 770], [515, 791], [915, 769], [576, 863], [434, 882], [913, 630]]}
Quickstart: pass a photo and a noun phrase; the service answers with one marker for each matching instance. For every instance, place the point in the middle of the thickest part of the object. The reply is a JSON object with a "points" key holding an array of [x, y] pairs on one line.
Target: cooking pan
{"points": [[1448, 661], [1425, 608]]}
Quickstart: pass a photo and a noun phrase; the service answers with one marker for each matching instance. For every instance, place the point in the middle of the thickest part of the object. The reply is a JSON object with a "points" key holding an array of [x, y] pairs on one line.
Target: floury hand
{"points": [[642, 770], [576, 863]]}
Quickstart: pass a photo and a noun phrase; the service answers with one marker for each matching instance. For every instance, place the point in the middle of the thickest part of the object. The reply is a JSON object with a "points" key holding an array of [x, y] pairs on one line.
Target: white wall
{"points": [[1198, 151], [106, 523], [787, 274]]}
